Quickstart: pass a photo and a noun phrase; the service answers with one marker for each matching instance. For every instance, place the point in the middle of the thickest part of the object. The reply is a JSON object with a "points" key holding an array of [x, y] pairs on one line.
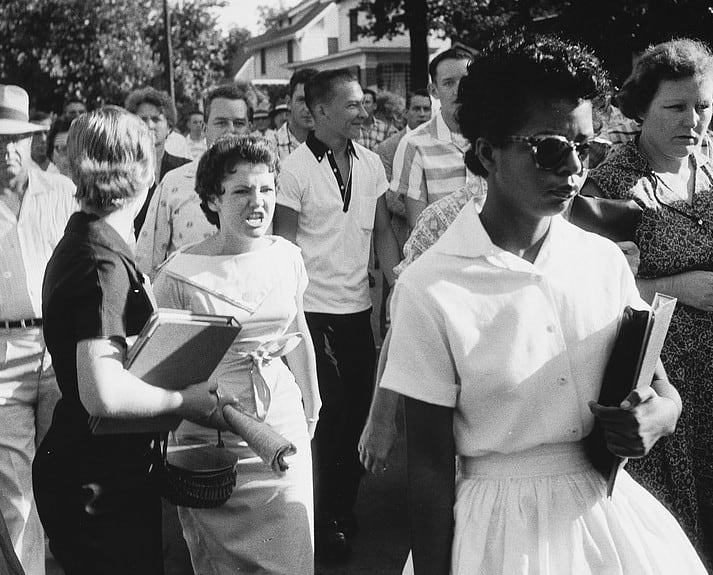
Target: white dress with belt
{"points": [[518, 350], [266, 526]]}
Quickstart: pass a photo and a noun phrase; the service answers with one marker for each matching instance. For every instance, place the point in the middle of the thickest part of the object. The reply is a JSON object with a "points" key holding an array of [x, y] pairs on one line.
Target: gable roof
{"points": [[277, 35]]}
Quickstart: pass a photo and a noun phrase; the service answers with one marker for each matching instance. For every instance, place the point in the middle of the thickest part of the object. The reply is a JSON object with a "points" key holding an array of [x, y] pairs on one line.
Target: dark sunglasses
{"points": [[551, 151]]}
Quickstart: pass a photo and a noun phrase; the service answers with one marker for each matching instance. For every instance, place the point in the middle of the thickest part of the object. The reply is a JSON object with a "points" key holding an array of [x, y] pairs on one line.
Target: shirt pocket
{"points": [[367, 211]]}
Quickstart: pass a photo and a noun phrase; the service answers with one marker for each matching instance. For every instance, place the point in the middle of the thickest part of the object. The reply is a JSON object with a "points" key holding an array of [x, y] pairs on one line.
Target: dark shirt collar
{"points": [[97, 231], [319, 148]]}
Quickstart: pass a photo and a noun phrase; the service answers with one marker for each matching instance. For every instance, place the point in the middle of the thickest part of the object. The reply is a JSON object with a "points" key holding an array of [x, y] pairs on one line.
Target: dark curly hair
{"points": [[221, 159], [518, 71], [673, 60], [157, 98], [59, 126]]}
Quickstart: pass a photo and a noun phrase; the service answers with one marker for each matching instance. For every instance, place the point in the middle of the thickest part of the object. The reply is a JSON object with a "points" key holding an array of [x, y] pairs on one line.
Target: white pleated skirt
{"points": [[545, 512]]}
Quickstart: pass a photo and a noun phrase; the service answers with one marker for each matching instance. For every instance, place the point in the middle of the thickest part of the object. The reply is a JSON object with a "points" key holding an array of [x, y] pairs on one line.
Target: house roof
{"points": [[283, 34]]}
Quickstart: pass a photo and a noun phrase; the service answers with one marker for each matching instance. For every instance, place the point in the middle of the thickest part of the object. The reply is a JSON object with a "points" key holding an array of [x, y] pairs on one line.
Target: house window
{"points": [[263, 62], [290, 54], [353, 25]]}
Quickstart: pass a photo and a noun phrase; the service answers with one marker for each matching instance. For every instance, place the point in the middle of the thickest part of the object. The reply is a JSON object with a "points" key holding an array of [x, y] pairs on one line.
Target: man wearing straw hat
{"points": [[34, 209]]}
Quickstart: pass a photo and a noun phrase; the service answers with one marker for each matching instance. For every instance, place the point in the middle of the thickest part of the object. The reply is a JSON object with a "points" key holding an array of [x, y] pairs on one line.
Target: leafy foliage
{"points": [[614, 29], [102, 49]]}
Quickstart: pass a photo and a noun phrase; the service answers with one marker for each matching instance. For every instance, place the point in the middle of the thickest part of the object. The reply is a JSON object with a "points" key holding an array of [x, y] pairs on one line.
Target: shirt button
{"points": [[7, 275], [562, 380], [550, 328]]}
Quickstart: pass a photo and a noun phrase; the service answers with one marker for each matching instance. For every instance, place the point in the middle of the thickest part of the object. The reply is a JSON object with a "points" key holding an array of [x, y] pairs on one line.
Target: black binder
{"points": [[631, 364]]}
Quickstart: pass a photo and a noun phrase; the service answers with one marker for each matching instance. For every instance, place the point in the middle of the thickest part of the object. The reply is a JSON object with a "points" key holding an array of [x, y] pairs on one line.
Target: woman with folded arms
{"points": [[98, 505], [500, 336], [664, 170], [266, 526]]}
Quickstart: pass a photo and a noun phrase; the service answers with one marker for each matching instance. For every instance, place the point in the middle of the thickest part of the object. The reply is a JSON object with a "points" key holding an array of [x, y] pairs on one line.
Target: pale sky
{"points": [[244, 13]]}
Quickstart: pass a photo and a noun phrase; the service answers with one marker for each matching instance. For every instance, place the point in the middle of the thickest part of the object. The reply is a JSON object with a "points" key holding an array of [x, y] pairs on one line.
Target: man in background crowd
{"points": [[373, 131], [174, 217], [34, 209], [196, 133], [293, 132], [429, 161]]}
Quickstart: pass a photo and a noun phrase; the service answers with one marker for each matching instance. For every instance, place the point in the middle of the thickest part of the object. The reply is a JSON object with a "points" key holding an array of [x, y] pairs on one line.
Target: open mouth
{"points": [[255, 220]]}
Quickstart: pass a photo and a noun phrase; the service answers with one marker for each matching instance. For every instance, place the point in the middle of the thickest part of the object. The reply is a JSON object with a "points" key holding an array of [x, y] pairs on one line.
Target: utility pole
{"points": [[169, 51]]}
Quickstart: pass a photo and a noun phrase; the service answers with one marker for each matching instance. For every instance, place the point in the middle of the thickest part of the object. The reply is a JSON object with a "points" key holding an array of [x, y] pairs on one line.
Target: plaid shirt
{"points": [[372, 136], [284, 141], [438, 216]]}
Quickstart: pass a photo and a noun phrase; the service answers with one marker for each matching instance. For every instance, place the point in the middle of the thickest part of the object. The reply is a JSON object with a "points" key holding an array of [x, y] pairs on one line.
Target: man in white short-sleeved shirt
{"points": [[330, 200], [34, 209]]}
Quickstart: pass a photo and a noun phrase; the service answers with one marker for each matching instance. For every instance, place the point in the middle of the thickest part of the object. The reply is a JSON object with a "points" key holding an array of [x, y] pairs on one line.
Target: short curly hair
{"points": [[673, 60], [220, 160], [111, 157], [517, 72], [155, 97]]}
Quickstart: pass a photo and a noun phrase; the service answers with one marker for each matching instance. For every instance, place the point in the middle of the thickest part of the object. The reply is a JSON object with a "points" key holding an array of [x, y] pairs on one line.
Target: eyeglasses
{"points": [[551, 151]]}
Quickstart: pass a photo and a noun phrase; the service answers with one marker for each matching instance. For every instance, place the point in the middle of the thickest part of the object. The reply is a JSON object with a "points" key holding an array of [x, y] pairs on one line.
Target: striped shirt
{"points": [[429, 164], [27, 242]]}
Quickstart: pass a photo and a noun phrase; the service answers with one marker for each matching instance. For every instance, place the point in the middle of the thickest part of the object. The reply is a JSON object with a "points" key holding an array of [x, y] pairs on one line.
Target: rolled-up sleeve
{"points": [[419, 364]]}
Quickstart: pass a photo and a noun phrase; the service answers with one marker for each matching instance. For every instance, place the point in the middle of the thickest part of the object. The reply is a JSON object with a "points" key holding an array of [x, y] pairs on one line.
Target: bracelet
{"points": [[312, 419]]}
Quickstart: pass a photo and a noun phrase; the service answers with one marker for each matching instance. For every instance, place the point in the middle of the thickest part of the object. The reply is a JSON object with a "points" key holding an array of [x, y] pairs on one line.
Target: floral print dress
{"points": [[676, 237]]}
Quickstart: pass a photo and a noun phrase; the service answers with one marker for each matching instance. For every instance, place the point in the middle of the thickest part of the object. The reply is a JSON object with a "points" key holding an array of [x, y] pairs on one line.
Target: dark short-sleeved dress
{"points": [[94, 494], [679, 470]]}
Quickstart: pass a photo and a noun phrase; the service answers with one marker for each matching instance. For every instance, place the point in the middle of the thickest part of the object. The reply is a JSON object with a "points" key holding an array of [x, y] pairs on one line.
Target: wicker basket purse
{"points": [[199, 476]]}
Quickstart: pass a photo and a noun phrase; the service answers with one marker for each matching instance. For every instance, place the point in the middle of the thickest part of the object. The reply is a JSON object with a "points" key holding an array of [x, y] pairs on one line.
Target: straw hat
{"points": [[15, 112]]}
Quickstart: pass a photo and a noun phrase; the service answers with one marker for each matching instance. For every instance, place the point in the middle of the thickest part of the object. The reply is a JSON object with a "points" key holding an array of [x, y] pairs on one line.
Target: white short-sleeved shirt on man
{"points": [[518, 349], [335, 243]]}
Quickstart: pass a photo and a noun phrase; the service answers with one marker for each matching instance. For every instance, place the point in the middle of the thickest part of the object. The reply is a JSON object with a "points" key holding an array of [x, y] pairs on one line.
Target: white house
{"points": [[323, 34]]}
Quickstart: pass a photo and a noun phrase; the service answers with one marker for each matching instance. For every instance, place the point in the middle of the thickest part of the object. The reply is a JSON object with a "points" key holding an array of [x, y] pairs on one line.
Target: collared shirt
{"points": [[429, 162], [27, 241], [335, 243], [51, 167], [372, 136], [517, 348], [176, 145], [269, 134], [284, 141], [174, 219], [437, 218], [196, 147]]}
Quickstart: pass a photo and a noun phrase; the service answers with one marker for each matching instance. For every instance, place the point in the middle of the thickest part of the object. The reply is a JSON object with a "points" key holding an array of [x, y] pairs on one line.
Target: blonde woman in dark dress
{"points": [[95, 498]]}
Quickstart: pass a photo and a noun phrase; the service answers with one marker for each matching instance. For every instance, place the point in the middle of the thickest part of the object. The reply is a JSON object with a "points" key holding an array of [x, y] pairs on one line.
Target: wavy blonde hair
{"points": [[111, 157]]}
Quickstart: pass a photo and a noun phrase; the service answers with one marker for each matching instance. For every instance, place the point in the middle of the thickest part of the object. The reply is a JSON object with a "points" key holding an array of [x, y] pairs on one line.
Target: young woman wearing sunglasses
{"points": [[500, 336]]}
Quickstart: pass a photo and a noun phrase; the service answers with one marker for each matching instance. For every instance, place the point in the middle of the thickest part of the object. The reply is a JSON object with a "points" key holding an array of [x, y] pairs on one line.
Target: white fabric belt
{"points": [[543, 460]]}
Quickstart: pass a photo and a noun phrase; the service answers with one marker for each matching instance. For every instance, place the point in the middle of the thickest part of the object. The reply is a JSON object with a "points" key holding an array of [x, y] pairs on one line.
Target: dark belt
{"points": [[31, 322]]}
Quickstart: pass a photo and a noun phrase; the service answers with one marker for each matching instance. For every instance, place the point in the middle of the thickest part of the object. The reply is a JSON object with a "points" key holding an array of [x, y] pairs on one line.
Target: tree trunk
{"points": [[417, 23]]}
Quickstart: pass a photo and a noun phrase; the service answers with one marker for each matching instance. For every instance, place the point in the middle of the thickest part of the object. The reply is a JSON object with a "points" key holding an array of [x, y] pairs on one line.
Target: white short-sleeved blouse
{"points": [[518, 349]]}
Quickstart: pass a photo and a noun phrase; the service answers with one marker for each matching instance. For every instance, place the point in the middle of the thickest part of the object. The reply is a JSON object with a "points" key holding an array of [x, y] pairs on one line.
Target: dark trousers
{"points": [[346, 357]]}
